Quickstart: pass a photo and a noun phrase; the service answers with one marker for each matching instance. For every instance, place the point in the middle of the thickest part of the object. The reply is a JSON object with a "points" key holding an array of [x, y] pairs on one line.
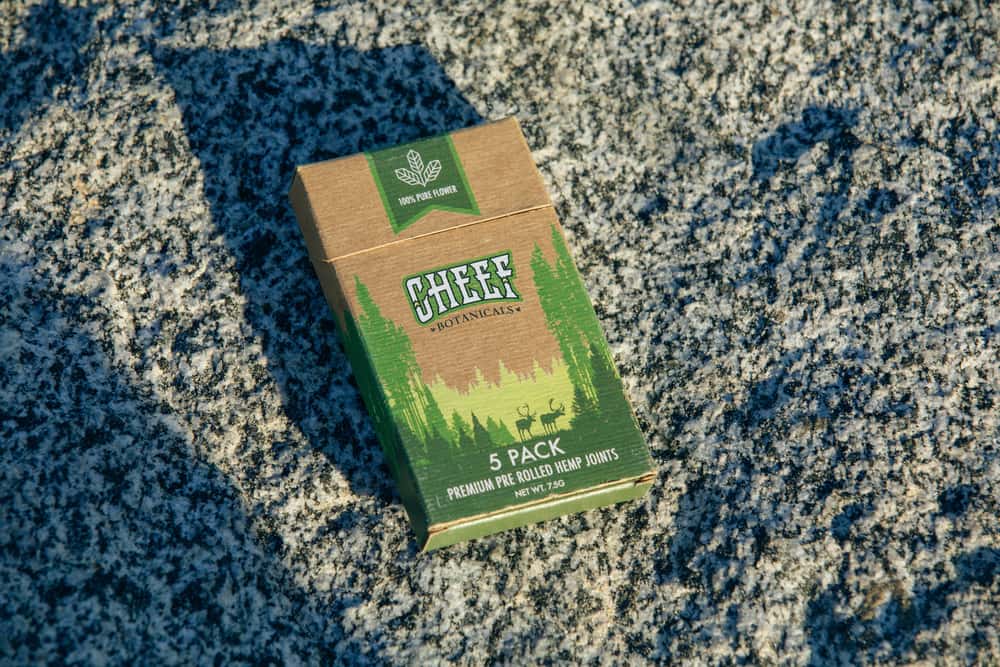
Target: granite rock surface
{"points": [[786, 214]]}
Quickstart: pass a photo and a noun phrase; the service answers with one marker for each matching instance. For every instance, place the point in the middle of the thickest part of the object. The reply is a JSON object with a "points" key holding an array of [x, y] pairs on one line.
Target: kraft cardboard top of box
{"points": [[349, 212]]}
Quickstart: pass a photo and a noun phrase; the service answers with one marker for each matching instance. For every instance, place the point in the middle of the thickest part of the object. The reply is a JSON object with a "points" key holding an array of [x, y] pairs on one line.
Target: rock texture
{"points": [[787, 217]]}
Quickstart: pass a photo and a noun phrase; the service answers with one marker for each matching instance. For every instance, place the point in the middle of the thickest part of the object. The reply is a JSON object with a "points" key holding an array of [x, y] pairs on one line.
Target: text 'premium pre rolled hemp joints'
{"points": [[471, 336]]}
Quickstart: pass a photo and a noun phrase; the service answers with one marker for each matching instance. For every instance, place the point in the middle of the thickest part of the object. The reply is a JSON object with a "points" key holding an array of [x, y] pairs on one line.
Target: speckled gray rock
{"points": [[787, 218]]}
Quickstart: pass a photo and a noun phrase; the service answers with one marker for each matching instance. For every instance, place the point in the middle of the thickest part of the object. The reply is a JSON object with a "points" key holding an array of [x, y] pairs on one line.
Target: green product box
{"points": [[472, 338]]}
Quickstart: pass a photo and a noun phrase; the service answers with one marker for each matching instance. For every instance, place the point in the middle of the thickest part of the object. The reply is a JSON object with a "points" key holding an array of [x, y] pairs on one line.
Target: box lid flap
{"points": [[364, 201]]}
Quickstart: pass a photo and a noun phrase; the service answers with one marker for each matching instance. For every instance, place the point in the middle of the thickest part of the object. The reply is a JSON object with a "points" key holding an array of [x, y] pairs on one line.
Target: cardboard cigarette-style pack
{"points": [[471, 336]]}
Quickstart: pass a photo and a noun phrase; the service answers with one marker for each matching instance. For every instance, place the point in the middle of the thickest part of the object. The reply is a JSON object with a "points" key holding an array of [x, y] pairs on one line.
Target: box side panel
{"points": [[550, 510], [373, 395], [306, 217]]}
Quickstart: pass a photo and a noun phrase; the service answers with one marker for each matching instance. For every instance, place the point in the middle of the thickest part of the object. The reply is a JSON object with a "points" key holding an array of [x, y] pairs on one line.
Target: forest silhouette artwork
{"points": [[590, 402]]}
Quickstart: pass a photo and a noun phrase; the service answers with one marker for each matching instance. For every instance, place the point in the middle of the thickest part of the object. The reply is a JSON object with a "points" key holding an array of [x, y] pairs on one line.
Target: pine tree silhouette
{"points": [[584, 409], [576, 303], [436, 421], [394, 362], [610, 397], [462, 431], [499, 433], [479, 434], [437, 443], [559, 320], [503, 433]]}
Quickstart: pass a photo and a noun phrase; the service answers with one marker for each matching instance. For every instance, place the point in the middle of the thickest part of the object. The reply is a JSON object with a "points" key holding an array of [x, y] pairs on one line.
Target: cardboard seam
{"points": [[501, 216]]}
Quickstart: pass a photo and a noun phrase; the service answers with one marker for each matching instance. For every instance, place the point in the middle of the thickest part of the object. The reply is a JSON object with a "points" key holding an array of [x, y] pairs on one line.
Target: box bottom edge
{"points": [[475, 527]]}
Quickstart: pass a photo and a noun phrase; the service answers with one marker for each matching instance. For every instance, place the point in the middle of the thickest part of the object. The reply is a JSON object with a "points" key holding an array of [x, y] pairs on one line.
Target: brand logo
{"points": [[417, 178], [418, 173], [482, 281]]}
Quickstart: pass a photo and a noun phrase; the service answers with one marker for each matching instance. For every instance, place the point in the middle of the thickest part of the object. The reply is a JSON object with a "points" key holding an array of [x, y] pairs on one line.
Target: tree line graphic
{"points": [[598, 401], [392, 384], [390, 380]]}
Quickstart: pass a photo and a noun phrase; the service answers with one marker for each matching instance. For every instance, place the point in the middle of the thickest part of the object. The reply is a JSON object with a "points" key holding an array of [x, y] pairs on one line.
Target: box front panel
{"points": [[493, 365]]}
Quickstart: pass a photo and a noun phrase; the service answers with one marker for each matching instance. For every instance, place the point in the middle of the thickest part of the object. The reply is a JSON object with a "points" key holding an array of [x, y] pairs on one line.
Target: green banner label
{"points": [[415, 179]]}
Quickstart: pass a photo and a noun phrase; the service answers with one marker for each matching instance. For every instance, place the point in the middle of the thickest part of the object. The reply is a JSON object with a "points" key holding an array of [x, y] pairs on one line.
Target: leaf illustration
{"points": [[408, 177], [416, 162], [432, 171]]}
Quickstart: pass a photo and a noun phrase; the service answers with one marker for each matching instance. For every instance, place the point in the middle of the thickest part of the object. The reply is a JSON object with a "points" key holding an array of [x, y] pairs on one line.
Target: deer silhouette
{"points": [[549, 418], [524, 425]]}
